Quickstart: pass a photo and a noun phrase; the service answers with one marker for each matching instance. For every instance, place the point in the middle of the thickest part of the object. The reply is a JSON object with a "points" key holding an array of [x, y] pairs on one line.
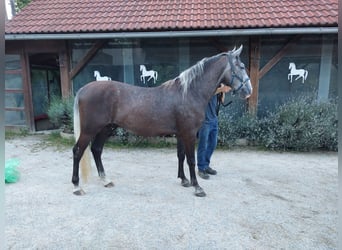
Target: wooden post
{"points": [[64, 66], [254, 64], [25, 65]]}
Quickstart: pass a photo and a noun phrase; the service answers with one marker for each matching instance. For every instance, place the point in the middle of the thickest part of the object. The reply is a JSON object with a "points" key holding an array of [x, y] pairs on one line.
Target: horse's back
{"points": [[138, 109]]}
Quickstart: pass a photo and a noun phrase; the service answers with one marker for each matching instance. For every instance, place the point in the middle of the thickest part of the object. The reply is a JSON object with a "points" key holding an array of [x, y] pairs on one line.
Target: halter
{"points": [[242, 82], [234, 75]]}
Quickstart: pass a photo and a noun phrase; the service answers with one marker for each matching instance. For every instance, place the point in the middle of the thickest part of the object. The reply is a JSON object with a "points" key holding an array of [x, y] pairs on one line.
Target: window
{"points": [[297, 74], [14, 94]]}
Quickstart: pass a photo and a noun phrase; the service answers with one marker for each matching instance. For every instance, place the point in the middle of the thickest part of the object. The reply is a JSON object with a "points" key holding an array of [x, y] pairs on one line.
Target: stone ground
{"points": [[258, 200]]}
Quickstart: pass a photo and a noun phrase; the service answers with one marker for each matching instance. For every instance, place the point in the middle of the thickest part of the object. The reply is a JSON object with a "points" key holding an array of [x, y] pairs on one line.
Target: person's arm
{"points": [[222, 89]]}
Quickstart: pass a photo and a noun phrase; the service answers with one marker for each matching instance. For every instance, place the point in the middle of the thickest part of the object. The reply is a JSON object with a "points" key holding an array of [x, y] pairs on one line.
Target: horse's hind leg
{"points": [[181, 157], [97, 148]]}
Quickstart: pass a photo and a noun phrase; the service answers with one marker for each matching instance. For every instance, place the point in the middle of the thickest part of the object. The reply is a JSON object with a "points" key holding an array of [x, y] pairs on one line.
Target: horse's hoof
{"points": [[106, 182], [79, 192], [185, 183], [109, 184], [199, 192]]}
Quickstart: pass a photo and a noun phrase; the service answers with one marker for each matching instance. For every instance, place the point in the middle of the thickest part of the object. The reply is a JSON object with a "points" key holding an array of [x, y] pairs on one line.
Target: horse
{"points": [[101, 78], [151, 73], [293, 72], [176, 107]]}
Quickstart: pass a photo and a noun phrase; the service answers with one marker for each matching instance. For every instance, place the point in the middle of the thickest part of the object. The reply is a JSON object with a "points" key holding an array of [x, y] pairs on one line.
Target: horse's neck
{"points": [[212, 73]]}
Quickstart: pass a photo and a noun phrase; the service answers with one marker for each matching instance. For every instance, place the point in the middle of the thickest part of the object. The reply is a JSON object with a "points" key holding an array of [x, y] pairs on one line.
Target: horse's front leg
{"points": [[181, 157], [190, 157]]}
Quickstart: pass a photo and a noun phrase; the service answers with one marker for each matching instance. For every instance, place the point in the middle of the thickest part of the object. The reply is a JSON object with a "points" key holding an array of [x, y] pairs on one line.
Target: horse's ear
{"points": [[238, 51]]}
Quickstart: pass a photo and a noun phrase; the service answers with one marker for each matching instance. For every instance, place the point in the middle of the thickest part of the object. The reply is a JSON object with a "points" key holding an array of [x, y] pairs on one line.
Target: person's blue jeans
{"points": [[207, 142]]}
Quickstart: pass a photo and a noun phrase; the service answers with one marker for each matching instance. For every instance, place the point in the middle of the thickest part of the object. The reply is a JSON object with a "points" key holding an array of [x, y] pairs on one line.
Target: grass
{"points": [[11, 134], [54, 139]]}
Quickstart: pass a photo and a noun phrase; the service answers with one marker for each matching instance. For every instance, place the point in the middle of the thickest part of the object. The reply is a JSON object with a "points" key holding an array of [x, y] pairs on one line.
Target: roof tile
{"points": [[65, 16]]}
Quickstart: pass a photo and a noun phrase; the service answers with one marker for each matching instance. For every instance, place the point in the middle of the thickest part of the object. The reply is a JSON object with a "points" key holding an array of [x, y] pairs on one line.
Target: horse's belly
{"points": [[148, 126], [150, 131]]}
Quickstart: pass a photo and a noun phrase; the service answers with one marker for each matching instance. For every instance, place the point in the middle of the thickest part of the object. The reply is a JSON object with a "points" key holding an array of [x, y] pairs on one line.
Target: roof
{"points": [[89, 16]]}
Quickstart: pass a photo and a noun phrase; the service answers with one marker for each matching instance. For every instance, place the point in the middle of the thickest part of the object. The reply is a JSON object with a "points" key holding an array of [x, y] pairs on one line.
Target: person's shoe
{"points": [[203, 174], [211, 171]]}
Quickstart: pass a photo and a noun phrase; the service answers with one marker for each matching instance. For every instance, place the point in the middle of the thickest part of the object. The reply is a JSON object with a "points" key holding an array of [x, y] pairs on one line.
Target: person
{"points": [[207, 134]]}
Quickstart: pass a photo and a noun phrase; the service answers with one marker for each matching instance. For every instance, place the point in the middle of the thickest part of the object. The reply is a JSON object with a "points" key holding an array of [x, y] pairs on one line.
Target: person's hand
{"points": [[223, 89]]}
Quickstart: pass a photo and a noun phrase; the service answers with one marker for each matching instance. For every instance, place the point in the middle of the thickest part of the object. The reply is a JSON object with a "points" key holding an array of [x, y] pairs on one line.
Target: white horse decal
{"points": [[151, 73], [101, 78], [296, 72]]}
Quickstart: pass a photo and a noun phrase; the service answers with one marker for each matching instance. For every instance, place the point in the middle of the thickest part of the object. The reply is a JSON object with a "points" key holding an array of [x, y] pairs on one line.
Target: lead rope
{"points": [[219, 103]]}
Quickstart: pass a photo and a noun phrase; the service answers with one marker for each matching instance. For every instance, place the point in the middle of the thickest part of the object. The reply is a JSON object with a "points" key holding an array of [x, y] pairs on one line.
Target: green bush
{"points": [[302, 125], [232, 128], [60, 112]]}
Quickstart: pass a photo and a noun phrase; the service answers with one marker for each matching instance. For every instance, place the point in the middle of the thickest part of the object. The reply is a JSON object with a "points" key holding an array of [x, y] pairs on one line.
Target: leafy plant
{"points": [[60, 112], [303, 124], [20, 4]]}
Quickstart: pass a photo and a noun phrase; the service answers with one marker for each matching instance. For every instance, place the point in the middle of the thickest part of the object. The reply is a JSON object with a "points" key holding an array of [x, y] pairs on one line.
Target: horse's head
{"points": [[141, 67], [236, 76], [291, 64], [96, 73]]}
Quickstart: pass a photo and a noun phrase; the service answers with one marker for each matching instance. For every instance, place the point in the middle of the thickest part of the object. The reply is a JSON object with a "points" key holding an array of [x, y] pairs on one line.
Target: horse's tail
{"points": [[156, 74], [85, 159], [306, 74]]}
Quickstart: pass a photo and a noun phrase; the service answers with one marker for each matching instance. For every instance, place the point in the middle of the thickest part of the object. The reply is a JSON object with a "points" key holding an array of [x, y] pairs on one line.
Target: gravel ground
{"points": [[258, 200]]}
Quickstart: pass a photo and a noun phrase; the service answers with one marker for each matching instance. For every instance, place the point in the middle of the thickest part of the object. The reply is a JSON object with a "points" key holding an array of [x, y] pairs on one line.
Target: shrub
{"points": [[303, 124], [60, 112], [232, 128]]}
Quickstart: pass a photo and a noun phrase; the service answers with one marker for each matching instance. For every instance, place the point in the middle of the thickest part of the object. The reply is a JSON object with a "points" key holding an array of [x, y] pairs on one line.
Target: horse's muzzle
{"points": [[246, 91]]}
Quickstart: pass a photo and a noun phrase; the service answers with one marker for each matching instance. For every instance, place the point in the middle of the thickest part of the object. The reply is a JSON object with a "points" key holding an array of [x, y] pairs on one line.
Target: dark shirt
{"points": [[210, 112]]}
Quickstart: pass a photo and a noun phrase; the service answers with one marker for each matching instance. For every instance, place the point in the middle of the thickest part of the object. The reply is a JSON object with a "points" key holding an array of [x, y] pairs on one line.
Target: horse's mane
{"points": [[189, 75]]}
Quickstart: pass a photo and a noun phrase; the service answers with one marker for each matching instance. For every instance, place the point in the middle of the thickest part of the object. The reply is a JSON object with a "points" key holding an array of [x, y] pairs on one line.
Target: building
{"points": [[55, 47]]}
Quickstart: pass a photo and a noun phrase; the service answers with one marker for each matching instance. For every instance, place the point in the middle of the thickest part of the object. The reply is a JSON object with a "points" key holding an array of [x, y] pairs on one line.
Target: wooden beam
{"points": [[64, 67], [27, 89], [268, 66], [87, 57], [254, 64]]}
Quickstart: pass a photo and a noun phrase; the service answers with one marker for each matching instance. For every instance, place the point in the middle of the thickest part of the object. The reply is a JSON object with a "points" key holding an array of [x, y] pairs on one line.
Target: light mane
{"points": [[192, 74], [189, 75]]}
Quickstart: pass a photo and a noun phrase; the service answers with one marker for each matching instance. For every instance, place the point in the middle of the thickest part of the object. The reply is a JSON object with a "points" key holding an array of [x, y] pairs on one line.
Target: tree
{"points": [[19, 4]]}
